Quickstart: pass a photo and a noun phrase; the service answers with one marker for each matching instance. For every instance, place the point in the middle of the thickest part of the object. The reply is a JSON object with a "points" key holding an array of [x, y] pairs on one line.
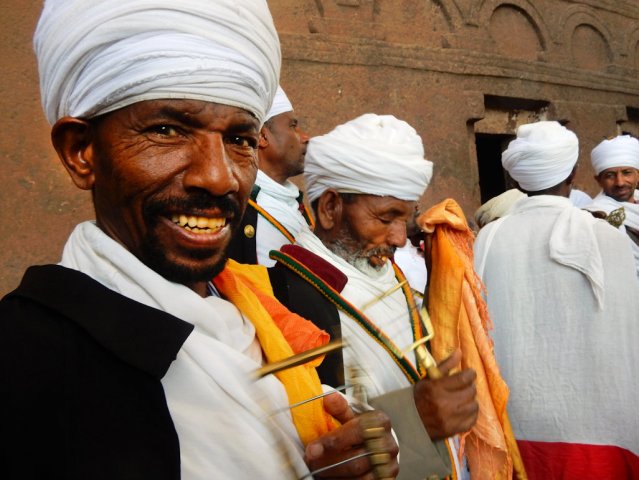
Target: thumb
{"points": [[452, 361], [337, 406]]}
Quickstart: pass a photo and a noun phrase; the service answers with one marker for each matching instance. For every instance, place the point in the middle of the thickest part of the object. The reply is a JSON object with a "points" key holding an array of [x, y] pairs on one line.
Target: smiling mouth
{"points": [[201, 225]]}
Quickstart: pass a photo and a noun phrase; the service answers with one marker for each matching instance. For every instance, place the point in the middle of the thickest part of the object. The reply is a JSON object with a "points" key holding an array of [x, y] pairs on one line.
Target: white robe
{"points": [[366, 362], [604, 203], [280, 201], [223, 420], [390, 315], [566, 341]]}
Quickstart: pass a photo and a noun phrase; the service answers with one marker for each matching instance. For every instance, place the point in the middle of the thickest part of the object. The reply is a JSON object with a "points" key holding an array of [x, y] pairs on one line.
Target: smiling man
{"points": [[616, 164], [135, 356], [363, 180]]}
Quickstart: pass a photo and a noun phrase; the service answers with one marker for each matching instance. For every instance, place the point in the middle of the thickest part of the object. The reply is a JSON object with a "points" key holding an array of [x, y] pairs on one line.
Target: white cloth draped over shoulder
{"points": [[223, 419], [604, 203], [280, 201], [379, 373], [97, 56], [566, 328]]}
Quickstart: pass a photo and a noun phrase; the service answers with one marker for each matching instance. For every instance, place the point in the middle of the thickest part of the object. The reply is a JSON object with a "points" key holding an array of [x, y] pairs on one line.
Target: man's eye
{"points": [[244, 142], [164, 130]]}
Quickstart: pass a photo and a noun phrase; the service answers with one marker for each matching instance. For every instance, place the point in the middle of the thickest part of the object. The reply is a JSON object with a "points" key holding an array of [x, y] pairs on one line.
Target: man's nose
{"points": [[210, 167], [304, 138], [397, 235], [619, 179]]}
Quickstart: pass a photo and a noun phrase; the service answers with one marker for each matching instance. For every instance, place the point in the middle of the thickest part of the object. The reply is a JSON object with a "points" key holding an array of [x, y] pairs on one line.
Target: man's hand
{"points": [[448, 405], [349, 441]]}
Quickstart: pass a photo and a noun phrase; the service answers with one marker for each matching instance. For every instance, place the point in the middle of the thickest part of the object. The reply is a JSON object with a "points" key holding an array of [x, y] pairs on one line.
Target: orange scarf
{"points": [[460, 320], [281, 334]]}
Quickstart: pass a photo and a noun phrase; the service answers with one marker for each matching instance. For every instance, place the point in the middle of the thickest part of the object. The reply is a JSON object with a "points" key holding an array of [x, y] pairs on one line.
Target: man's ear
{"points": [[330, 208], [264, 137], [72, 140]]}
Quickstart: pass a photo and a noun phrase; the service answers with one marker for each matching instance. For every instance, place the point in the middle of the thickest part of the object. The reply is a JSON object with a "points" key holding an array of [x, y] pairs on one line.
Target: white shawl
{"points": [[280, 201], [604, 203], [389, 314], [222, 419], [570, 362]]}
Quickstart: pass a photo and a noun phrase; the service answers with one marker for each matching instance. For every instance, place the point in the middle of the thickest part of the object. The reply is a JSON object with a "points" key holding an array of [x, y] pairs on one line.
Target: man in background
{"points": [[276, 212], [563, 298], [616, 164], [363, 180]]}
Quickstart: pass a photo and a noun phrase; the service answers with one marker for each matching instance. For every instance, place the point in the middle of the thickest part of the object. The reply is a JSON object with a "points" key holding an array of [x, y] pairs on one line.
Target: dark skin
{"points": [[447, 406], [619, 183], [282, 147], [154, 162]]}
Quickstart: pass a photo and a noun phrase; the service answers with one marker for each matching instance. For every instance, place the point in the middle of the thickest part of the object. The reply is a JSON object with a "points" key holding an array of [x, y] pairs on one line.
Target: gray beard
{"points": [[356, 258]]}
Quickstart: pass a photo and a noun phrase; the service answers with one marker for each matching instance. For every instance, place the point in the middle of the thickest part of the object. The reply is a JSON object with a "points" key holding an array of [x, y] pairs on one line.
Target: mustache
{"points": [[381, 252], [195, 202]]}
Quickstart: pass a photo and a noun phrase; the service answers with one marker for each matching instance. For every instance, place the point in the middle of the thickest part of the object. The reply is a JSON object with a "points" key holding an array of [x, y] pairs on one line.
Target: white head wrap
{"points": [[498, 206], [621, 151], [374, 154], [281, 104], [97, 56], [542, 155]]}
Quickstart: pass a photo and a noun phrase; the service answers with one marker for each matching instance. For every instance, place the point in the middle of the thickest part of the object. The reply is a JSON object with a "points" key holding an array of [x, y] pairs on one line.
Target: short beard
{"points": [[154, 254], [156, 260]]}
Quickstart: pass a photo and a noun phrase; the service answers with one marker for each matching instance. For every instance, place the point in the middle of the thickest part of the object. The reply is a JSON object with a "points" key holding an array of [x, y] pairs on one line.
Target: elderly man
{"points": [[125, 360], [564, 302], [616, 164], [276, 212], [363, 180]]}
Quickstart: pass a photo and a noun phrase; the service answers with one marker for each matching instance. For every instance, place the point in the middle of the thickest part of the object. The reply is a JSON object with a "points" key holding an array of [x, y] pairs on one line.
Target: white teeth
{"points": [[198, 224]]}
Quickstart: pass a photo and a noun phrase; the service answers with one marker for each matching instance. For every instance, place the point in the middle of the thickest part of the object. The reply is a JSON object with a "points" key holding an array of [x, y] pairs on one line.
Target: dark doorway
{"points": [[493, 179]]}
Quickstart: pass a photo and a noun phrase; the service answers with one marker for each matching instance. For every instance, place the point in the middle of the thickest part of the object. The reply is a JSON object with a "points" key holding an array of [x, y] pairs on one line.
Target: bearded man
{"points": [[616, 164], [136, 356], [363, 180], [563, 298]]}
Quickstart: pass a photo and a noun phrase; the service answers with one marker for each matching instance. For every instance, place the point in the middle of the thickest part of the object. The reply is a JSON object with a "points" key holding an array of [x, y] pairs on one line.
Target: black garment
{"points": [[80, 391], [243, 246], [302, 298]]}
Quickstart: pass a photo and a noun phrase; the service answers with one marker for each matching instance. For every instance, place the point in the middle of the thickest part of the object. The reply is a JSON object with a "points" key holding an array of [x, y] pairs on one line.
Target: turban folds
{"points": [[621, 151], [373, 154], [97, 56], [281, 104], [542, 155]]}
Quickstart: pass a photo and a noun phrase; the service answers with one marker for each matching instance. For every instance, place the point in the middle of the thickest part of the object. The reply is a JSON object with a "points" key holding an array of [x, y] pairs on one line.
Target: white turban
{"points": [[498, 206], [621, 151], [374, 154], [542, 155], [281, 104], [97, 56]]}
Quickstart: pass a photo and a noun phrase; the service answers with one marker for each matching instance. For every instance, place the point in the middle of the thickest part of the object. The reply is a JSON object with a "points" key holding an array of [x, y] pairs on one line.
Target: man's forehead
{"points": [[618, 169], [185, 108], [385, 202]]}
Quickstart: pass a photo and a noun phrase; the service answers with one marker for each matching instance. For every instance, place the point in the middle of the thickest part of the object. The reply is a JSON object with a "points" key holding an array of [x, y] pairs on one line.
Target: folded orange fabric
{"points": [[460, 320], [281, 334]]}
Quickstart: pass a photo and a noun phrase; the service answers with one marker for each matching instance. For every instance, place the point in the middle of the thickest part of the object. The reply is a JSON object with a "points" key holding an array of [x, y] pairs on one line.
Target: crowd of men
{"points": [[175, 338]]}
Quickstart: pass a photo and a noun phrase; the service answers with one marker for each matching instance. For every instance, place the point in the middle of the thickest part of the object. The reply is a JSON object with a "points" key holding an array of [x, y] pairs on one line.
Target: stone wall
{"points": [[464, 73]]}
